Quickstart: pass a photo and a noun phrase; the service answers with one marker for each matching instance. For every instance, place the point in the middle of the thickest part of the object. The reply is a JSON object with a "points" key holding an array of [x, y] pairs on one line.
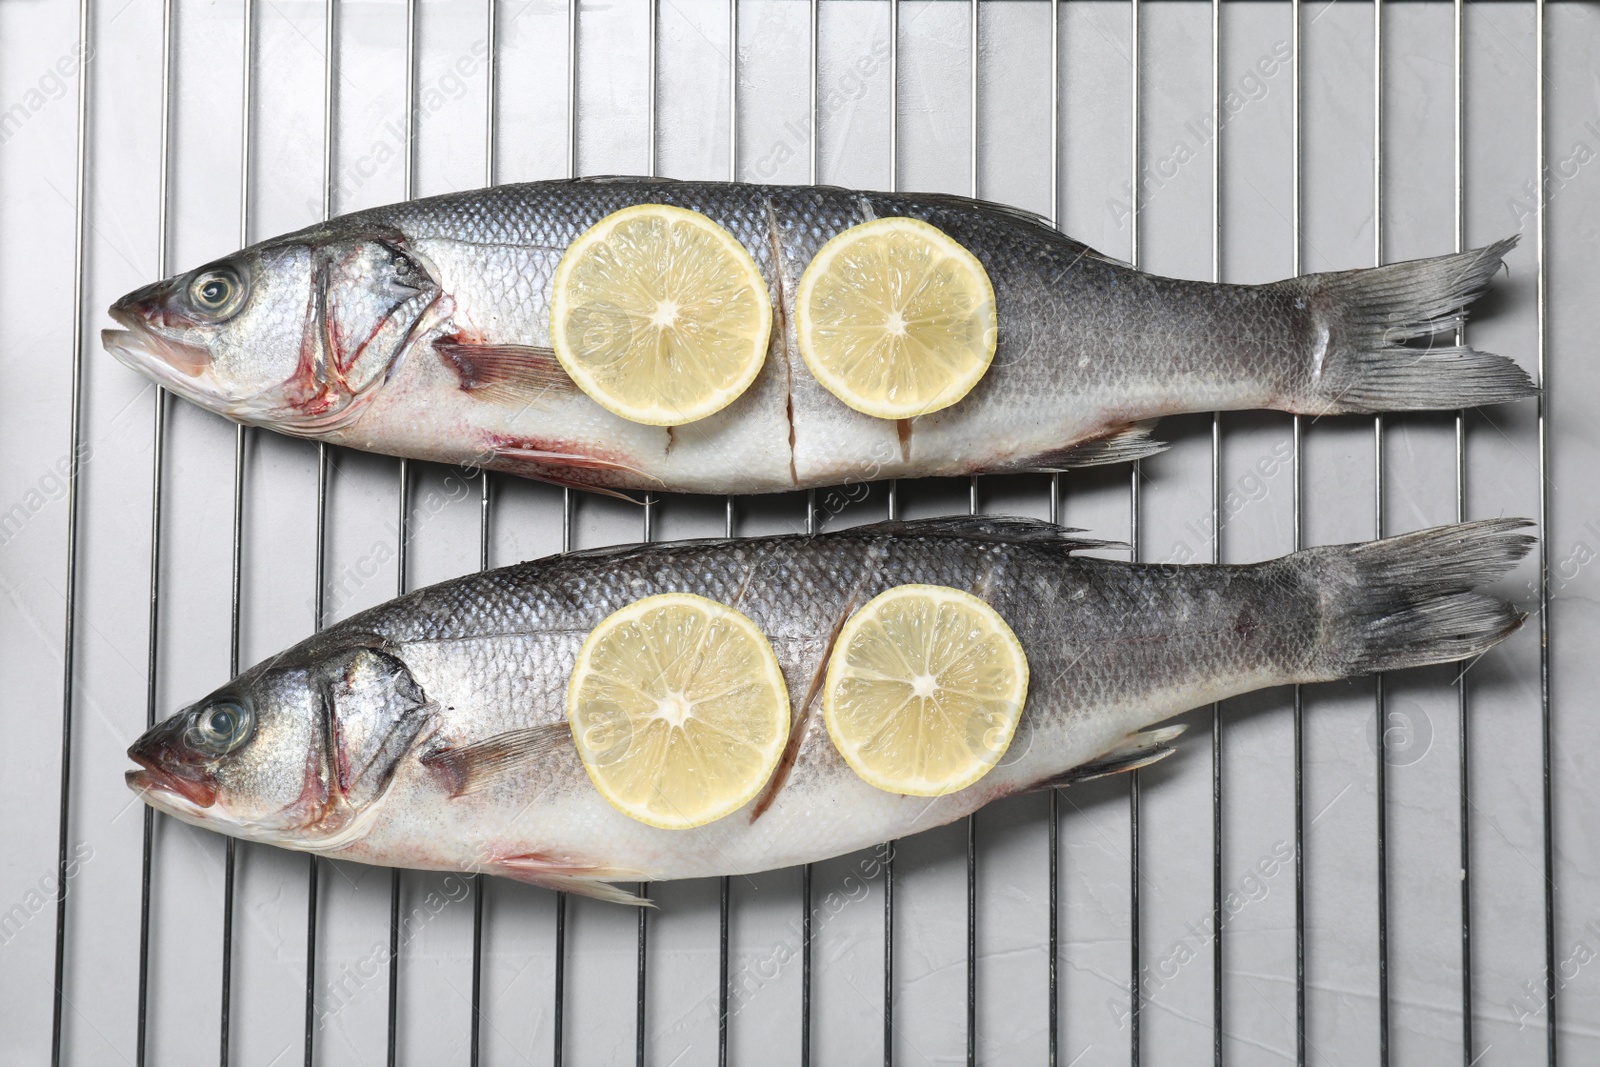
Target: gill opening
{"points": [[324, 331]]}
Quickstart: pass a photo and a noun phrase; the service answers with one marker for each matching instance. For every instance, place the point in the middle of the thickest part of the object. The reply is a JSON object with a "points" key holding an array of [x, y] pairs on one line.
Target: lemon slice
{"points": [[924, 690], [895, 318], [679, 710], [659, 315]]}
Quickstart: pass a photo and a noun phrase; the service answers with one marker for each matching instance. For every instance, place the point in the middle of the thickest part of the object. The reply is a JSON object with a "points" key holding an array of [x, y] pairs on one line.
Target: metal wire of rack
{"points": [[1129, 1036]]}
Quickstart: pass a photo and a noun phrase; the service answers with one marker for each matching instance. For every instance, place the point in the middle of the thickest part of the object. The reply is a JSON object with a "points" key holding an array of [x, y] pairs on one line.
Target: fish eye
{"points": [[218, 292], [221, 727]]}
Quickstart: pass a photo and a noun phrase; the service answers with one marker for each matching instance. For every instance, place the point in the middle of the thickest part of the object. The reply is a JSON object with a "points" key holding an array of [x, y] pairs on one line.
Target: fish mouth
{"points": [[160, 786], [183, 368], [176, 364], [161, 790], [188, 359]]}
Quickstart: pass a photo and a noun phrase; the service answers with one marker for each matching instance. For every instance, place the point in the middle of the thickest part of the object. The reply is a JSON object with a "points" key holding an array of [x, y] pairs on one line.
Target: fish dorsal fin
{"points": [[943, 200], [504, 374], [1015, 214], [466, 769], [1090, 252], [991, 528], [1134, 751], [621, 179], [996, 529], [957, 202]]}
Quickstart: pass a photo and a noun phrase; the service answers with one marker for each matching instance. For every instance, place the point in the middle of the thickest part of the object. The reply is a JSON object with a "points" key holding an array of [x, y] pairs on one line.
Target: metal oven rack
{"points": [[1370, 872]]}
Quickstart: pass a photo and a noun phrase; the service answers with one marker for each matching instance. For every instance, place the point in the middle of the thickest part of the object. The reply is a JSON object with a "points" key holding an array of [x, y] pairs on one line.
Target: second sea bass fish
{"points": [[422, 329], [431, 732]]}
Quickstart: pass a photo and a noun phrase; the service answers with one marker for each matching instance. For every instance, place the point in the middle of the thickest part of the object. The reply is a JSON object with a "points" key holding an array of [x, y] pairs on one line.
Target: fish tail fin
{"points": [[1412, 600], [1360, 321]]}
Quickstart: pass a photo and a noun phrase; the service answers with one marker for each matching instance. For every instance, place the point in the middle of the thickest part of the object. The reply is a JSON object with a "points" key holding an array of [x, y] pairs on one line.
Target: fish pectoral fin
{"points": [[504, 374], [468, 768], [1122, 445], [1132, 752], [533, 868]]}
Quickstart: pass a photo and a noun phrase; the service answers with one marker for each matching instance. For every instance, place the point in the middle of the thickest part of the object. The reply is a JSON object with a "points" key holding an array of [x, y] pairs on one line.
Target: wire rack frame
{"points": [[1049, 996]]}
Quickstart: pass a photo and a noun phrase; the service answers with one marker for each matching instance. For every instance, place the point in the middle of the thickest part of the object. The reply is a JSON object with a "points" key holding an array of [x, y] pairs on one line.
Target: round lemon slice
{"points": [[678, 709], [924, 690], [895, 318], [659, 315]]}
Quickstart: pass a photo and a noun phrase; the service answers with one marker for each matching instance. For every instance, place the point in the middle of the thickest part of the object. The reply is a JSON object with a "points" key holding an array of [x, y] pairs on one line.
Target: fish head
{"points": [[297, 752], [292, 334]]}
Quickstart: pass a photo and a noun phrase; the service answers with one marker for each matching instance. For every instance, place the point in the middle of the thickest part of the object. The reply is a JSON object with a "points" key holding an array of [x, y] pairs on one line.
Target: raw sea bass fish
{"points": [[422, 330], [431, 732]]}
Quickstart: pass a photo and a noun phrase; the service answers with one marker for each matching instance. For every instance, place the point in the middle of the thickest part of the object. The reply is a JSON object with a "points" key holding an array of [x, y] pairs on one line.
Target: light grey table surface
{"points": [[1175, 232]]}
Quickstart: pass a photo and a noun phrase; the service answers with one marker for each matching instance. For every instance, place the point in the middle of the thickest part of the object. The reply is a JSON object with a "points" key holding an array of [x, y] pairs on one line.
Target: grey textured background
{"points": [[1014, 165]]}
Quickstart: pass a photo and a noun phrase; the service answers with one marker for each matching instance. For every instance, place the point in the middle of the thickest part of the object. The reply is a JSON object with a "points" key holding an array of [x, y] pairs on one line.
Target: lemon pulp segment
{"points": [[679, 709], [896, 318], [924, 690], [659, 315]]}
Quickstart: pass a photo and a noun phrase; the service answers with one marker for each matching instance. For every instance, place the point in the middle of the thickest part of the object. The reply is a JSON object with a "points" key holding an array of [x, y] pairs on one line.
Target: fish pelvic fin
{"points": [[1139, 749], [1357, 324], [1411, 600]]}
